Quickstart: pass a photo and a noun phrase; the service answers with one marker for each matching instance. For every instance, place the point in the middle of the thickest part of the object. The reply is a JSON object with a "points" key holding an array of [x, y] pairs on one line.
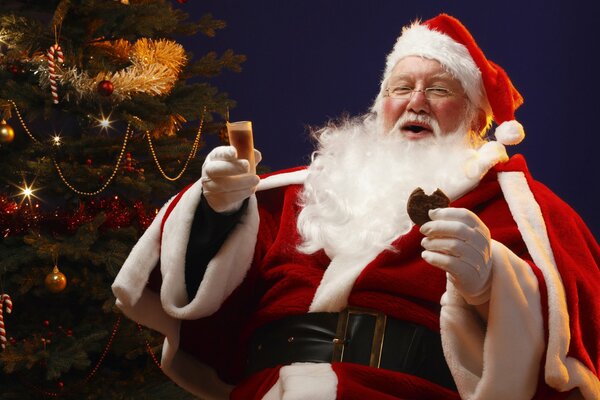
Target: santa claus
{"points": [[314, 283]]}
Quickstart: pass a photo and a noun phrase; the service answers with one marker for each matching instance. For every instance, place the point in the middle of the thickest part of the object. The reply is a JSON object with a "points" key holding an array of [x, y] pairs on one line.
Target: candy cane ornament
{"points": [[54, 50], [4, 301]]}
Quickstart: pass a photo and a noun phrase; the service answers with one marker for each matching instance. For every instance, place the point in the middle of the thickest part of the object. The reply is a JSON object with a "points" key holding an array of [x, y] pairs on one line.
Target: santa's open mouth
{"points": [[417, 128]]}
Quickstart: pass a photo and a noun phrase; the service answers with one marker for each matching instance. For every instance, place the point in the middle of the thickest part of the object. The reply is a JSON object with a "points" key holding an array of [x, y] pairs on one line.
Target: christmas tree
{"points": [[103, 115]]}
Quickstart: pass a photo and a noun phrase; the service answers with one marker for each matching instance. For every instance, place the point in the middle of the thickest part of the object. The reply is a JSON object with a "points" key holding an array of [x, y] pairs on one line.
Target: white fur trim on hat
{"points": [[419, 40]]}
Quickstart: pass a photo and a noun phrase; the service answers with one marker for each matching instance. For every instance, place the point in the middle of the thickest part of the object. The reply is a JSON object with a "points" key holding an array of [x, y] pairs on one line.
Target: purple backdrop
{"points": [[312, 60]]}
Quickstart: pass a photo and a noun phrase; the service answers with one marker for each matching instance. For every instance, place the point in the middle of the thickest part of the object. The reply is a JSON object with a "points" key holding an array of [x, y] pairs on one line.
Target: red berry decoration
{"points": [[105, 88], [16, 69]]}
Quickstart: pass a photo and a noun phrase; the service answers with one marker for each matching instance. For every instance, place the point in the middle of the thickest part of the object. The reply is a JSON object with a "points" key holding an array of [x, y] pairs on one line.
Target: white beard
{"points": [[354, 198]]}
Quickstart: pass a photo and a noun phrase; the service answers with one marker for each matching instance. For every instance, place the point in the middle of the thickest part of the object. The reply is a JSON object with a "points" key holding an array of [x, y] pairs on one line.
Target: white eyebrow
{"points": [[441, 75]]}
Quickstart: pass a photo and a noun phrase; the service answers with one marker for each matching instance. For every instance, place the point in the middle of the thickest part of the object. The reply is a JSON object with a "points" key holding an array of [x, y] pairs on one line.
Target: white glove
{"points": [[458, 242], [226, 181]]}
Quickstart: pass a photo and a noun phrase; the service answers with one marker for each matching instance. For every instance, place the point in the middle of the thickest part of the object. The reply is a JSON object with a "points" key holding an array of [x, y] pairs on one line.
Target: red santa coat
{"points": [[542, 327]]}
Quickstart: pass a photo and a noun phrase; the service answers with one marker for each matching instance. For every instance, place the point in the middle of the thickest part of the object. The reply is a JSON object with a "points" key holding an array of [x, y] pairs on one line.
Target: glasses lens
{"points": [[405, 92], [433, 93], [400, 92]]}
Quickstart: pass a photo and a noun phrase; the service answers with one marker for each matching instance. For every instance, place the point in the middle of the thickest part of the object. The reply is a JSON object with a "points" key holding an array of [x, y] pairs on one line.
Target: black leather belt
{"points": [[355, 335]]}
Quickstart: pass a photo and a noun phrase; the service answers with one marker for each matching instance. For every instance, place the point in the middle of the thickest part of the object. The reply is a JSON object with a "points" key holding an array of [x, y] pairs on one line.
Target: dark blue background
{"points": [[312, 60]]}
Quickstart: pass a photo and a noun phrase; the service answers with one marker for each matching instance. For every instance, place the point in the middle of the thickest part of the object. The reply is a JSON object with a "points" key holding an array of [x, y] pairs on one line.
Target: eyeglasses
{"points": [[406, 92]]}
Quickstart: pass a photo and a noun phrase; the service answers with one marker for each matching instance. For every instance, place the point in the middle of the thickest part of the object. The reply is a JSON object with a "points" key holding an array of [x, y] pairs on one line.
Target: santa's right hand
{"points": [[226, 180]]}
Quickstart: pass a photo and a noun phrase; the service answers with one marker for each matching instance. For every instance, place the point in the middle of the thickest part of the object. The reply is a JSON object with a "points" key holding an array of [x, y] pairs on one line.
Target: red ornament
{"points": [[16, 69], [46, 323], [105, 88], [182, 1]]}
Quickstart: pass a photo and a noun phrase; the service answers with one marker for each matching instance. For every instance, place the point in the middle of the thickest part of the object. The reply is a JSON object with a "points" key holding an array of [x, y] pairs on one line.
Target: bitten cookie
{"points": [[419, 204]]}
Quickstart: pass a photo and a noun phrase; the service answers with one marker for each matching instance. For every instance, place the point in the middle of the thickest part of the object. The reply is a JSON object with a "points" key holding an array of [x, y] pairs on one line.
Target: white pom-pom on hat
{"points": [[510, 133]]}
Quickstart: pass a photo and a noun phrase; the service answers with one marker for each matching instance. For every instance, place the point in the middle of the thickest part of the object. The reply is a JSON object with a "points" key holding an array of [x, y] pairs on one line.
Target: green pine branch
{"points": [[57, 339]]}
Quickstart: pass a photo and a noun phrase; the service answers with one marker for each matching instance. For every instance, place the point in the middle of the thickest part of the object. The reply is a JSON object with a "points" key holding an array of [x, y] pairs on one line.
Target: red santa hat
{"points": [[445, 39]]}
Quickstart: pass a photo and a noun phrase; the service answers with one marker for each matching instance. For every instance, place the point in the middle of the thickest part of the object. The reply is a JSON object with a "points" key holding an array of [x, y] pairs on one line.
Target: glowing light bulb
{"points": [[27, 192], [104, 122]]}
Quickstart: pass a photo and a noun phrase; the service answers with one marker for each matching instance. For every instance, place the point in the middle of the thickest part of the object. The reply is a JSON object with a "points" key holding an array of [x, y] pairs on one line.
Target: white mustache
{"points": [[410, 117]]}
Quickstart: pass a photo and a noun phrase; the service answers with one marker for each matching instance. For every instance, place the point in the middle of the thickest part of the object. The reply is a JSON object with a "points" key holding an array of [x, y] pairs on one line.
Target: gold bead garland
{"points": [[22, 120], [190, 156], [128, 135], [60, 173], [112, 175]]}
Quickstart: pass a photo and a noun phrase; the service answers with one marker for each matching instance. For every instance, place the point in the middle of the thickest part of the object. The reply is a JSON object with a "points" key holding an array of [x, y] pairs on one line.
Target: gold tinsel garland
{"points": [[155, 67], [119, 50], [162, 51]]}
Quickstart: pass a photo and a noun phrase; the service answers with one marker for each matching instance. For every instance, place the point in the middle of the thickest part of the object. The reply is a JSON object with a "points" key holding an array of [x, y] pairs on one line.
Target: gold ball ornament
{"points": [[7, 133], [55, 281]]}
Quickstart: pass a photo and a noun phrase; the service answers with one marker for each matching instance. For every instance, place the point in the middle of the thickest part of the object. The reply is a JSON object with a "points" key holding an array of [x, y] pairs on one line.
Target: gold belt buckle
{"points": [[339, 342]]}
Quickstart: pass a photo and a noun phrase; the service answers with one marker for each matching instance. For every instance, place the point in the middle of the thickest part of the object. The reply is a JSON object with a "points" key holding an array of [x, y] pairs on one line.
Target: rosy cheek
{"points": [[391, 112], [451, 116]]}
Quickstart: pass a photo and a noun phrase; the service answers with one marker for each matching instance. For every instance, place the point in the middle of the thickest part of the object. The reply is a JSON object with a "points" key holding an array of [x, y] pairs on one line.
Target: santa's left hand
{"points": [[458, 242]]}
